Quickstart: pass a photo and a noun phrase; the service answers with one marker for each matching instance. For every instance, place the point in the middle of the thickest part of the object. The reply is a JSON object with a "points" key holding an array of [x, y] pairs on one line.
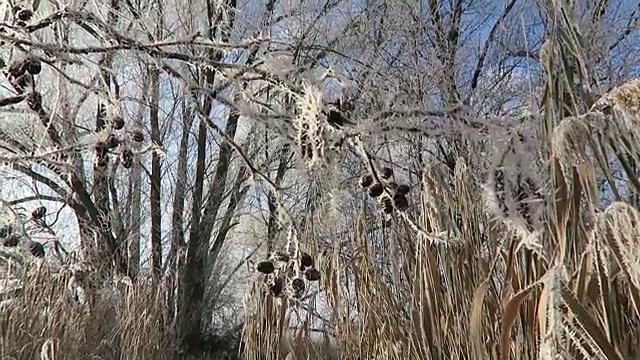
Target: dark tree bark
{"points": [[156, 217]]}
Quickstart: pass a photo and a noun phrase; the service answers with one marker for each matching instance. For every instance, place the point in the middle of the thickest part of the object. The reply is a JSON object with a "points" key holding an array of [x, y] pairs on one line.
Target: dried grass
{"points": [[541, 271], [117, 321]]}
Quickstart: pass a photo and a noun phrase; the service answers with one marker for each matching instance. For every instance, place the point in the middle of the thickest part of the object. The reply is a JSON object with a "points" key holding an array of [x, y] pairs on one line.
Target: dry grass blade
{"points": [[562, 207], [475, 325], [542, 315], [583, 279], [589, 324], [511, 310]]}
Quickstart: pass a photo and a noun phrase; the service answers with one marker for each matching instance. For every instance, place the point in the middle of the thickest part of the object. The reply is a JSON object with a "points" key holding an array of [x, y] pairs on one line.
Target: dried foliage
{"points": [[56, 311], [492, 226]]}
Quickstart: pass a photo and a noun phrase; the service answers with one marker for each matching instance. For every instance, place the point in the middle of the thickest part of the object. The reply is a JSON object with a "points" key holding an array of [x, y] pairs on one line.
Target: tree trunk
{"points": [[156, 218]]}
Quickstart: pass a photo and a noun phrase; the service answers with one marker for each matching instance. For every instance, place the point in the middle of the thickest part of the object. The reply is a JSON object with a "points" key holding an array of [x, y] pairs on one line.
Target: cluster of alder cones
{"points": [[104, 148], [21, 16], [11, 238], [20, 74], [395, 196], [287, 276]]}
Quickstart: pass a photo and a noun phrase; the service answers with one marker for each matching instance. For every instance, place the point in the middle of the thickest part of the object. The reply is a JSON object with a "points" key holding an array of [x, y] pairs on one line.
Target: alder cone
{"points": [[386, 204], [276, 286], [118, 123], [36, 249], [402, 189], [400, 202], [265, 267], [138, 136], [39, 212], [376, 190], [297, 288], [386, 172], [12, 240], [306, 260], [312, 274], [366, 181], [33, 66], [101, 152], [101, 149], [102, 161], [127, 158], [113, 141], [5, 231], [25, 14]]}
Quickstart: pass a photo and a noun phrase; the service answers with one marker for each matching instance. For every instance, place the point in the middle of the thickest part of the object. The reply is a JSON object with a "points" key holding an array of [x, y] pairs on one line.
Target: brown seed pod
{"points": [[366, 180], [24, 14], [33, 66], [113, 141], [118, 122], [386, 204], [335, 119], [138, 136], [36, 249], [101, 154], [126, 157], [127, 164], [400, 202], [265, 267], [39, 212], [276, 286], [12, 240], [306, 260], [402, 189], [376, 190], [5, 231], [279, 256], [297, 288], [386, 172], [101, 149], [34, 100], [312, 274]]}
